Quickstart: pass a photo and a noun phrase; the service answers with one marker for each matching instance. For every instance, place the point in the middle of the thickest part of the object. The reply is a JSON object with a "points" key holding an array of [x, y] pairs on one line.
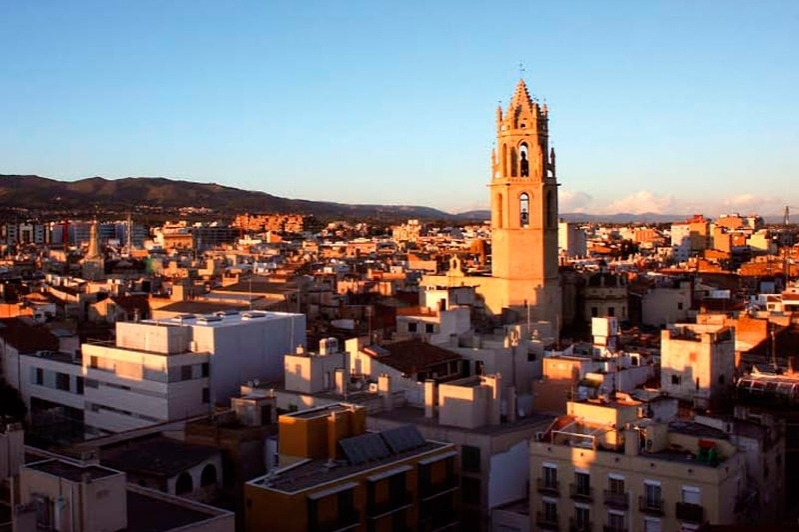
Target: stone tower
{"points": [[524, 211]]}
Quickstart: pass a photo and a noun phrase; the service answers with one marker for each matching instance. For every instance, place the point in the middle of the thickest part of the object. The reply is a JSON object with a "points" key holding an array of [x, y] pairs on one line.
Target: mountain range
{"points": [[34, 194]]}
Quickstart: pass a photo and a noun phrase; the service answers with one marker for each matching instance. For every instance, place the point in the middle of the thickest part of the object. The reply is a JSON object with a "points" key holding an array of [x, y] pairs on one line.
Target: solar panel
{"points": [[364, 448], [404, 438]]}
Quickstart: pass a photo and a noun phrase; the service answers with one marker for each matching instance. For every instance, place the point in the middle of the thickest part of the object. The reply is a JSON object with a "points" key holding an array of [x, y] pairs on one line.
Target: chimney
{"points": [[429, 398], [384, 390], [339, 381], [632, 441], [495, 403], [512, 404]]}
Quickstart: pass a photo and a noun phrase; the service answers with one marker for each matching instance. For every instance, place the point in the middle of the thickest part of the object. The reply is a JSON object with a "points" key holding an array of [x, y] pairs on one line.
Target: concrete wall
{"points": [[509, 475], [661, 306]]}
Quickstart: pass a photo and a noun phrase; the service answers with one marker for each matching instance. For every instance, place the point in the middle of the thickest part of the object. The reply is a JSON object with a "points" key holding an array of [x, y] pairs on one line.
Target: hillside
{"points": [[156, 194]]}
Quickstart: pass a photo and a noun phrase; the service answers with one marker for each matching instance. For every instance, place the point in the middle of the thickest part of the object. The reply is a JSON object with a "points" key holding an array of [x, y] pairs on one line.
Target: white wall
{"points": [[509, 475]]}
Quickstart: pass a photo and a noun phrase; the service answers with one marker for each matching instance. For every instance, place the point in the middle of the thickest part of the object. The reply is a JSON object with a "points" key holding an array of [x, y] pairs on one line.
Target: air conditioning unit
{"points": [[373, 387]]}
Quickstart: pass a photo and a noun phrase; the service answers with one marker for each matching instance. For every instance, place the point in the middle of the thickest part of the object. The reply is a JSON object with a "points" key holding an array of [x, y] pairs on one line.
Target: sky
{"points": [[677, 106]]}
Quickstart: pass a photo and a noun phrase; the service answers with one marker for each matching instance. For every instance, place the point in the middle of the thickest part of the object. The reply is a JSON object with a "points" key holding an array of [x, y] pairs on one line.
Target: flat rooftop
{"points": [[223, 319], [416, 416], [72, 472], [322, 411], [155, 513], [311, 473]]}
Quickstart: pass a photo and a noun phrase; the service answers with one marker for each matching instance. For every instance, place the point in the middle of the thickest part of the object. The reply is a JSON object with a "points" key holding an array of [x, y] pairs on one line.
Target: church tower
{"points": [[524, 211]]}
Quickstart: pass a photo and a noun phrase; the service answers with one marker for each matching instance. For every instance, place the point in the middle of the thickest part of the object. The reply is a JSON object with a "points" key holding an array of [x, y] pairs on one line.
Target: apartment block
{"points": [[600, 467], [334, 475], [697, 362]]}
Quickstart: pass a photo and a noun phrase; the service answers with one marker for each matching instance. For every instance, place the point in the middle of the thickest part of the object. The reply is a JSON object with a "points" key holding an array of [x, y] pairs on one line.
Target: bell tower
{"points": [[524, 209]]}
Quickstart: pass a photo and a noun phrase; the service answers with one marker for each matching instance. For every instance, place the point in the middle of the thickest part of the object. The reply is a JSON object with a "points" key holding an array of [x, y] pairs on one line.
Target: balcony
{"points": [[650, 505], [616, 500], [551, 487], [395, 503], [546, 521], [348, 520], [576, 525], [581, 493], [431, 491], [690, 513]]}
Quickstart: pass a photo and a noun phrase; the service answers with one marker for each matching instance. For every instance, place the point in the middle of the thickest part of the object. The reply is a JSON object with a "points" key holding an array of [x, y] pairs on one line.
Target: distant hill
{"points": [[34, 193], [160, 195]]}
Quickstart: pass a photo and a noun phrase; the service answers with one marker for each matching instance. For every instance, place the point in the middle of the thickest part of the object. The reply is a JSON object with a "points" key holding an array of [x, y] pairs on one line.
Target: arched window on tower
{"points": [[504, 160], [524, 160], [550, 210], [524, 209], [513, 163], [498, 208]]}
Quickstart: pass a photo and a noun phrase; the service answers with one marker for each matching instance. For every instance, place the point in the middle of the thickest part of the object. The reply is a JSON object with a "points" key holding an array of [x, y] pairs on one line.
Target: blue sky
{"points": [[678, 106]]}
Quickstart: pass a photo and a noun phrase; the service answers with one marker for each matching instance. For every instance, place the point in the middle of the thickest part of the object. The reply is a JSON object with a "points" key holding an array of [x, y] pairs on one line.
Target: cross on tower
{"points": [[521, 69]]}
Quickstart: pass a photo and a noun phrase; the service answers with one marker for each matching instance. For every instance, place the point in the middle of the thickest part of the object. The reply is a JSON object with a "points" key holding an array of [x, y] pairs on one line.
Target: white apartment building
{"points": [[163, 370], [572, 242]]}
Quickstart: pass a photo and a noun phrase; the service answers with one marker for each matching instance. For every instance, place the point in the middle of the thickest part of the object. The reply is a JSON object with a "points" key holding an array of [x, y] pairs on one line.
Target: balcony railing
{"points": [[575, 525], [690, 513], [617, 500], [549, 487], [394, 504], [649, 505], [347, 520], [581, 493], [431, 491], [546, 521]]}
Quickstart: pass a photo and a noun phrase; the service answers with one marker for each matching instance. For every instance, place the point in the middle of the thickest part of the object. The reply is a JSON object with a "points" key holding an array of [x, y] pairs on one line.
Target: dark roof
{"points": [[152, 514], [133, 302], [411, 356], [157, 456], [27, 338], [202, 307], [70, 471]]}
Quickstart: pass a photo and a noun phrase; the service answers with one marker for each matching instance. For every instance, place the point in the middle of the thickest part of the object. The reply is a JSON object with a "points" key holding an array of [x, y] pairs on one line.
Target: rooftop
{"points": [[152, 512], [157, 456], [221, 319], [72, 472], [416, 416], [368, 451], [411, 356]]}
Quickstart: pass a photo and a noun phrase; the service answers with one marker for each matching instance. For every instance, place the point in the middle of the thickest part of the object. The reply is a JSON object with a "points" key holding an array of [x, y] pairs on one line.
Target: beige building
{"points": [[697, 362], [524, 217], [600, 467], [663, 305], [57, 494], [606, 295]]}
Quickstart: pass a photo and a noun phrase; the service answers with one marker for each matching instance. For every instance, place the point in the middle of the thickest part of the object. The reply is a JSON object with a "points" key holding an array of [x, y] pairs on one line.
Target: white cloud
{"points": [[642, 202], [574, 201]]}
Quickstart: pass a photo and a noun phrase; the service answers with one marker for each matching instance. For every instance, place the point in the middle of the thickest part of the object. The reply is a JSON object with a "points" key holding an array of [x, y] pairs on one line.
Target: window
{"points": [[185, 373], [524, 210], [676, 379], [616, 486], [62, 382], [721, 380], [550, 477], [206, 396], [615, 522], [582, 483], [453, 367], [470, 458], [679, 305], [205, 369], [652, 525], [611, 311], [429, 328], [594, 312], [478, 367], [412, 327], [691, 495], [470, 490], [39, 376], [582, 518], [550, 512], [79, 385], [652, 495]]}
